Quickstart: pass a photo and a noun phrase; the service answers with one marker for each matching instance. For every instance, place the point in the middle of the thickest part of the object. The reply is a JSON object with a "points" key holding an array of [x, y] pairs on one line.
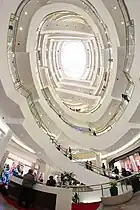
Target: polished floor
{"points": [[134, 204], [4, 205]]}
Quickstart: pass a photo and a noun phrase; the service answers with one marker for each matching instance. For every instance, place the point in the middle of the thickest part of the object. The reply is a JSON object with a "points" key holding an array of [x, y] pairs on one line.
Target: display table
{"points": [[44, 197]]}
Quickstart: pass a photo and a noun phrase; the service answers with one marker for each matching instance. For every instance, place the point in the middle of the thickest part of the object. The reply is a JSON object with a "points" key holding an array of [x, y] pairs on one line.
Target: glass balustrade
{"points": [[94, 193]]}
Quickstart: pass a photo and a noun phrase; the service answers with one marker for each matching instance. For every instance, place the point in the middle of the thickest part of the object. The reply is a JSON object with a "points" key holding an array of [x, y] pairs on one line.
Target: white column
{"points": [[134, 166], [4, 142], [98, 160], [41, 167]]}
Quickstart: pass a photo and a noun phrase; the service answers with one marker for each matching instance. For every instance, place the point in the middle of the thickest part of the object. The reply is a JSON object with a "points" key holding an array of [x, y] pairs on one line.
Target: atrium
{"points": [[69, 89]]}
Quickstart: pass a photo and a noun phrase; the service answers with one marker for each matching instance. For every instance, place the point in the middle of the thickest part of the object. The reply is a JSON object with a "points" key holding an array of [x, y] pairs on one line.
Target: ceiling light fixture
{"points": [[21, 28]]}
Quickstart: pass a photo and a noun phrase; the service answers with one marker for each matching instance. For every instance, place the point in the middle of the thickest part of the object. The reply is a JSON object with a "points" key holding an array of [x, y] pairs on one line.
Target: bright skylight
{"points": [[73, 59]]}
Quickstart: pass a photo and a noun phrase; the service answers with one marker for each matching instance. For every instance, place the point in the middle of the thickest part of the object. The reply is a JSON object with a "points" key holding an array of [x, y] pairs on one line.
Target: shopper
{"points": [[103, 167], [70, 156], [40, 178], [26, 189], [59, 147], [70, 150], [116, 171], [126, 173], [90, 166], [51, 182], [87, 164], [66, 153]]}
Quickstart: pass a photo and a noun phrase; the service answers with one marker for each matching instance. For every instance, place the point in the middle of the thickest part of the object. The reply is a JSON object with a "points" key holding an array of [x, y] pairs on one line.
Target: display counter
{"points": [[44, 197]]}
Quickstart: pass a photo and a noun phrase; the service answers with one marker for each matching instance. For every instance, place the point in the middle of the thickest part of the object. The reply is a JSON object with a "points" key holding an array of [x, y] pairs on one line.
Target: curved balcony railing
{"points": [[130, 40], [130, 48], [13, 25], [87, 193]]}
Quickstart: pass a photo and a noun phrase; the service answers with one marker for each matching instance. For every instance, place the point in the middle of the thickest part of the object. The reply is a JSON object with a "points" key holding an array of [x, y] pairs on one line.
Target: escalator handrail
{"points": [[94, 168], [107, 183]]}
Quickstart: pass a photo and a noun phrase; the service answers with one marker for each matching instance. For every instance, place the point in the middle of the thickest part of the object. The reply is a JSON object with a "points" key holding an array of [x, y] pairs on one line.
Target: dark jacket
{"points": [[28, 181], [51, 183]]}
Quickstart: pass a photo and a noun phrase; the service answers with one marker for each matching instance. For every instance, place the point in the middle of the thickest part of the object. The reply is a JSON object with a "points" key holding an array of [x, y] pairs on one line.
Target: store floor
{"points": [[4, 205], [134, 204]]}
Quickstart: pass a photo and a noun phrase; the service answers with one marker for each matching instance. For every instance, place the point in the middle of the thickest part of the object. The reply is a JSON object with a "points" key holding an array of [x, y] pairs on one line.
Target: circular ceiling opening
{"points": [[73, 59]]}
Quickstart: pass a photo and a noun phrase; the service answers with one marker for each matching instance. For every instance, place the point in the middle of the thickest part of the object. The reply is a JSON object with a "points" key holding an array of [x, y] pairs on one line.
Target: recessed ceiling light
{"points": [[26, 13], [122, 22], [109, 113], [115, 8], [21, 28]]}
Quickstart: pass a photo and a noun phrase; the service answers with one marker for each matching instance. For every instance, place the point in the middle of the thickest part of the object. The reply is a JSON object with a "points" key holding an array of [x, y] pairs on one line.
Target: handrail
{"points": [[103, 172], [21, 7], [104, 186], [125, 9], [106, 183]]}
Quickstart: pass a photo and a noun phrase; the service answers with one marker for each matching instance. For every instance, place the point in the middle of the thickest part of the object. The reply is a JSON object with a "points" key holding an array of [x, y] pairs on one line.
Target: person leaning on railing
{"points": [[87, 164], [51, 182], [70, 156], [116, 171], [26, 189], [103, 167]]}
